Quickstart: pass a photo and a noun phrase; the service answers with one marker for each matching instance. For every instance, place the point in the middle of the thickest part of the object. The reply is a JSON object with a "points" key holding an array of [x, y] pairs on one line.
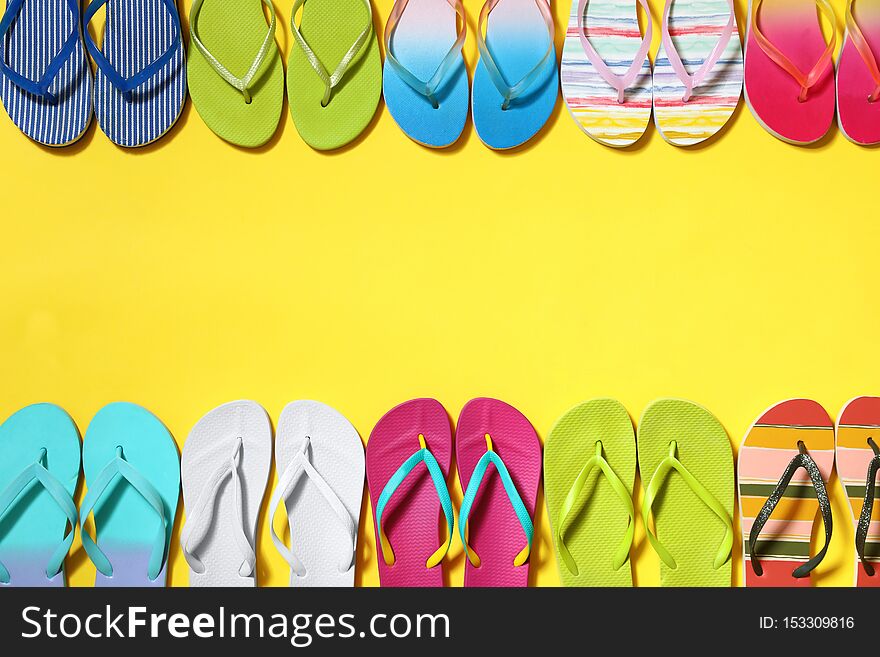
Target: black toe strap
{"points": [[867, 508]]}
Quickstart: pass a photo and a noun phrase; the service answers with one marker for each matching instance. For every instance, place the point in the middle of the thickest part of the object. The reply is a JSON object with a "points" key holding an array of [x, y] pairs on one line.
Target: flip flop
{"points": [[132, 471], [516, 81], [408, 500], [334, 74], [140, 83], [857, 455], [606, 73], [698, 71], [589, 473], [789, 75], [858, 76], [498, 506], [425, 82], [224, 471], [686, 465], [46, 82], [319, 457], [792, 442], [236, 78], [39, 470]]}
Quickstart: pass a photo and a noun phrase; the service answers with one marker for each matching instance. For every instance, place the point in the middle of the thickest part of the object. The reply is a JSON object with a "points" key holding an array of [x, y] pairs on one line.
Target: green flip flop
{"points": [[589, 472], [236, 78], [330, 109], [686, 464]]}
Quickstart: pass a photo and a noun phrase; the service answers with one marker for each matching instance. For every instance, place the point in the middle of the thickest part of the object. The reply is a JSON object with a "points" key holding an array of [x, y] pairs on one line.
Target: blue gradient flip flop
{"points": [[516, 82], [39, 470], [132, 471]]}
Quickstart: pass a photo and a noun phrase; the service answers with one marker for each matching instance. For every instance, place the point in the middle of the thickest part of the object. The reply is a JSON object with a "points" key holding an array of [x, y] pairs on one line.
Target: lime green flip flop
{"points": [[589, 471], [235, 73], [334, 76], [686, 464]]}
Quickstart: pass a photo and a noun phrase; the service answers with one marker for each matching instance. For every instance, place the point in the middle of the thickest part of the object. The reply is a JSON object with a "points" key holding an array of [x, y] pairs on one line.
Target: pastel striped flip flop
{"points": [[39, 470], [789, 75], [408, 499], [334, 73], [698, 71], [320, 462], [516, 81], [140, 83], [606, 73], [46, 82], [857, 453], [132, 472], [589, 473], [495, 522], [858, 75], [686, 465], [235, 74], [792, 443], [425, 82], [224, 471]]}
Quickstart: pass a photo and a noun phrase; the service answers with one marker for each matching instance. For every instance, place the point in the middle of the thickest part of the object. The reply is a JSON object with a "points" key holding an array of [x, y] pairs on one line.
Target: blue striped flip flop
{"points": [[39, 470], [132, 472], [140, 84], [46, 83]]}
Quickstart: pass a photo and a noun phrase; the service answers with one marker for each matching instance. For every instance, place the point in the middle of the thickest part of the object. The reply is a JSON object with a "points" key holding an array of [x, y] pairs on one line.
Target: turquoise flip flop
{"points": [[39, 469], [132, 470]]}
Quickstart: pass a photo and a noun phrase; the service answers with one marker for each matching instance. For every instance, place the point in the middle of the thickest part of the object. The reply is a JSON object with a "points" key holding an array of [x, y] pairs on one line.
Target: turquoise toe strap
{"points": [[519, 508], [120, 467], [36, 471], [425, 456]]}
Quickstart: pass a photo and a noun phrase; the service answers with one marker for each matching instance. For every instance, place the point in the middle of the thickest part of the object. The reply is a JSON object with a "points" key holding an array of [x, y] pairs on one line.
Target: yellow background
{"points": [[190, 273]]}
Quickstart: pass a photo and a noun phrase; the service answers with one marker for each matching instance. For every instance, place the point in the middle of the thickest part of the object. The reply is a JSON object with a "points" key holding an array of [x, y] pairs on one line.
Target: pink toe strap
{"points": [[690, 81], [864, 49], [618, 82]]}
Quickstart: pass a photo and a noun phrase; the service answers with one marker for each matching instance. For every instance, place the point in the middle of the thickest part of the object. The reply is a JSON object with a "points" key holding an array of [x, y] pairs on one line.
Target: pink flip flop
{"points": [[408, 499], [498, 504], [858, 76], [789, 76]]}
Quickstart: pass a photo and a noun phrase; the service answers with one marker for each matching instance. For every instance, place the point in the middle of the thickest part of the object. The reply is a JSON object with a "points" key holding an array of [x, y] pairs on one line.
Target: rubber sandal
{"points": [[39, 470], [407, 499], [857, 456], [789, 75], [686, 465], [786, 457], [46, 81], [606, 73], [698, 71], [334, 73], [425, 82], [224, 471], [495, 521], [236, 78], [589, 473], [140, 83], [858, 75], [319, 457], [516, 81], [132, 471]]}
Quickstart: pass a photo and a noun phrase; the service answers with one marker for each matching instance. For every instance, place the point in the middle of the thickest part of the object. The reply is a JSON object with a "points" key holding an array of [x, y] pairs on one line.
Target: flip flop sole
{"points": [[857, 116]]}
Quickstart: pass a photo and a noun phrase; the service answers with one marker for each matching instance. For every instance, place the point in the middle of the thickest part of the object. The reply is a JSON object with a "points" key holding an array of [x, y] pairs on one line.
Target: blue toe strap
{"points": [[39, 87], [129, 84]]}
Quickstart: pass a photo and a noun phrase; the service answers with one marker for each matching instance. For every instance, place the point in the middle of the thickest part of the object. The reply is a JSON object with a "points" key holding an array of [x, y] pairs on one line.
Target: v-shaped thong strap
{"points": [[864, 49]]}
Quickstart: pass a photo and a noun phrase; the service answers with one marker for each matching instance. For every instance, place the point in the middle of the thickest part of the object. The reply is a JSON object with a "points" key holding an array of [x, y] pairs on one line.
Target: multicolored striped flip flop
{"points": [[698, 71], [786, 457], [858, 75], [140, 84], [858, 459], [46, 83], [606, 73]]}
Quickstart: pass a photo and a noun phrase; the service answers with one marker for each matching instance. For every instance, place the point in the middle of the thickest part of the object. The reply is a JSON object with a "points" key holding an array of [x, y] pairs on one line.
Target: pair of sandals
{"points": [[47, 86]]}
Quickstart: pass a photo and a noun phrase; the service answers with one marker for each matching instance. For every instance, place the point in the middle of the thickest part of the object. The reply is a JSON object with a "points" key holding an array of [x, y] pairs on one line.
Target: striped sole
{"points": [[769, 446]]}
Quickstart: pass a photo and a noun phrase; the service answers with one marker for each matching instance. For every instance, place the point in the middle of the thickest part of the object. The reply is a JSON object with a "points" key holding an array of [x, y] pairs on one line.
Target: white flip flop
{"points": [[225, 470], [324, 506]]}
